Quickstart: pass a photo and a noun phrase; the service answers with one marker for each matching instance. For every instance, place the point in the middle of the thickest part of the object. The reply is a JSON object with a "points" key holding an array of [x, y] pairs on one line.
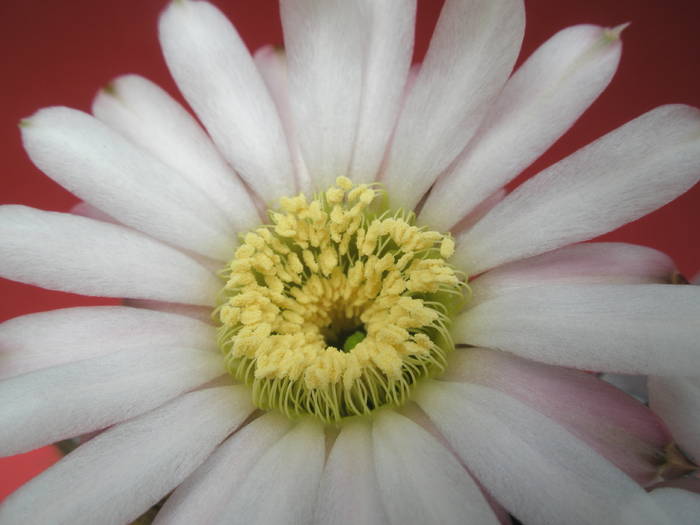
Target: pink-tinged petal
{"points": [[590, 263], [611, 422], [681, 506], [537, 469], [272, 64], [420, 481], [471, 54], [201, 313], [690, 484], [60, 251], [349, 491], [410, 82], [85, 210], [537, 105], [325, 44], [479, 211], [620, 177], [631, 329], [115, 477], [677, 401], [217, 76], [386, 68], [204, 496], [111, 173], [46, 406], [149, 117], [42, 340]]}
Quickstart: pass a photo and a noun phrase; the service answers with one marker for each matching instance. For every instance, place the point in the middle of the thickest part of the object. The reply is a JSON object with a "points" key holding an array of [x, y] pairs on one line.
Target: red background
{"points": [[59, 53]]}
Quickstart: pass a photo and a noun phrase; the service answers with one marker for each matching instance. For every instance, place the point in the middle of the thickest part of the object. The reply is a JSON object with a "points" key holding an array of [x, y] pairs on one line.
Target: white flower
{"points": [[510, 425]]}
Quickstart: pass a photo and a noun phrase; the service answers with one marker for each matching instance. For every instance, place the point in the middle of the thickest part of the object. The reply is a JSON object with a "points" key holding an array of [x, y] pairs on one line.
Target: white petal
{"points": [[217, 76], [387, 60], [106, 170], [592, 263], [677, 401], [633, 329], [325, 48], [415, 414], [272, 64], [471, 54], [75, 254], [35, 341], [620, 428], [56, 403], [682, 506], [538, 104], [349, 493], [635, 386], [420, 480], [281, 488], [622, 176], [540, 472], [152, 119], [122, 472], [203, 496]]}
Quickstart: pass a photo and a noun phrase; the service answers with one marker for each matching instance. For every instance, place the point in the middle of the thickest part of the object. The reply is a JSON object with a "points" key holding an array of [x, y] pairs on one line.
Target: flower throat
{"points": [[339, 306]]}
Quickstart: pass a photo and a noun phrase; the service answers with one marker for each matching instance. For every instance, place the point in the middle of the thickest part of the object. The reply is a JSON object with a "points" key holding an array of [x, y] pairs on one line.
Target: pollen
{"points": [[339, 306]]}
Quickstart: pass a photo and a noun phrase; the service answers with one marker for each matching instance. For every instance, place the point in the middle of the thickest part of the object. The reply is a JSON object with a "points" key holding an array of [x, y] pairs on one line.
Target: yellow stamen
{"points": [[325, 271]]}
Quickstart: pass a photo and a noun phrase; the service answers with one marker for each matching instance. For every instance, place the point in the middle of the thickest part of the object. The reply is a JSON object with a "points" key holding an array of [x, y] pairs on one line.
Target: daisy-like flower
{"points": [[333, 311]]}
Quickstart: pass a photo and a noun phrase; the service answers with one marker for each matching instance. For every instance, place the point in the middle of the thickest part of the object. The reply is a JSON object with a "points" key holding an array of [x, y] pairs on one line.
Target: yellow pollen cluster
{"points": [[324, 270]]}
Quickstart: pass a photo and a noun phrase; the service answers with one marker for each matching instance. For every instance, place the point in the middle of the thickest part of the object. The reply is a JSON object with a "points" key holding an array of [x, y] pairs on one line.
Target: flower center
{"points": [[339, 306]]}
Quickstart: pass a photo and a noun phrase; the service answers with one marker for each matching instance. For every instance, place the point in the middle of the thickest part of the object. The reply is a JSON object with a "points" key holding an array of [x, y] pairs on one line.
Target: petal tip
{"points": [[678, 278], [110, 88], [174, 6], [612, 34]]}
